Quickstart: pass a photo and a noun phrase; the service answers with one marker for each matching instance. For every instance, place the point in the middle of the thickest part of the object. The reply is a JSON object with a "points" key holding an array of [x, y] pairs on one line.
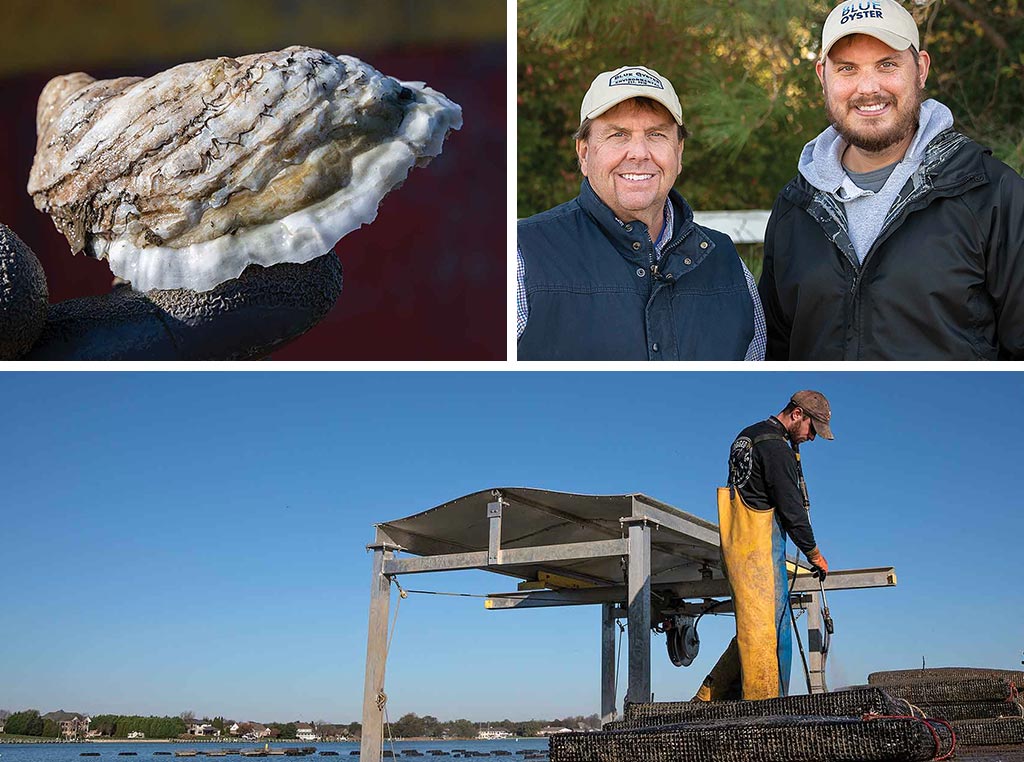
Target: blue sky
{"points": [[177, 542]]}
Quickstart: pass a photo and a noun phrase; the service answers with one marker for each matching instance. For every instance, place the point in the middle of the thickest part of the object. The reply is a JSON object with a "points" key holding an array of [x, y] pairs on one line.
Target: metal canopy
{"points": [[535, 519], [619, 551]]}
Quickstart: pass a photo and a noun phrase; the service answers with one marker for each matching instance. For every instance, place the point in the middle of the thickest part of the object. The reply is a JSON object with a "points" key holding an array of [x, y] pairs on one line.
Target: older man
{"points": [[900, 239], [622, 272]]}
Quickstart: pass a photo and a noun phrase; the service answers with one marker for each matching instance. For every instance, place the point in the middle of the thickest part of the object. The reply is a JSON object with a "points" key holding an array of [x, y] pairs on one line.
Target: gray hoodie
{"points": [[820, 163]]}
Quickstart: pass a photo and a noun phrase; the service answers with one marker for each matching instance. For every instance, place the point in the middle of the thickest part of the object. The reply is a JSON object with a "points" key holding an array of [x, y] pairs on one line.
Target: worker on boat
{"points": [[764, 503]]}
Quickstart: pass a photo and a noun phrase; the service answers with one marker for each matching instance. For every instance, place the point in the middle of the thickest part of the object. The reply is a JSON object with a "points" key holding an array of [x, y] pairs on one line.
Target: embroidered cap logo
{"points": [[872, 9], [636, 78]]}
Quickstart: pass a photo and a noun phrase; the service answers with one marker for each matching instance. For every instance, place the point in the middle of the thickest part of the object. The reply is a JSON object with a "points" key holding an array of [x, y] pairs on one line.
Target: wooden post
{"points": [[376, 655]]}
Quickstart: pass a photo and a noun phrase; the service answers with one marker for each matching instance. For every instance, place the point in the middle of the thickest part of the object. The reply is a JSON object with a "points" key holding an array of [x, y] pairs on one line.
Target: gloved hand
{"points": [[819, 566], [242, 319]]}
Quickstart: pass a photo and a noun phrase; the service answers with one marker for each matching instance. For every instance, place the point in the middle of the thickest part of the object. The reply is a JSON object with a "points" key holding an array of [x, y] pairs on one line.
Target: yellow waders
{"points": [[754, 553]]}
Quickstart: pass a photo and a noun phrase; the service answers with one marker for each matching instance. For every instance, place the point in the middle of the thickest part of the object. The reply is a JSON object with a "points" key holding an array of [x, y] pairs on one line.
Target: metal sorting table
{"points": [[628, 553]]}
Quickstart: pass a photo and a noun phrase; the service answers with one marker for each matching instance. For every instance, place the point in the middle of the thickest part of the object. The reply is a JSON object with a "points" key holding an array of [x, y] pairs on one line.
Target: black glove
{"points": [[241, 319], [819, 566]]}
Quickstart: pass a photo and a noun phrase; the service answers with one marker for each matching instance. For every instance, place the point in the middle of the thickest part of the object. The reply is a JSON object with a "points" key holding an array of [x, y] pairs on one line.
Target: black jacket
{"points": [[762, 466], [943, 281]]}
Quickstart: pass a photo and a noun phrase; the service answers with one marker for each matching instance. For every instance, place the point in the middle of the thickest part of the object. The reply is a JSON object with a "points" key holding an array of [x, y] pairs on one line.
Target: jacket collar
{"points": [[950, 160], [625, 236], [776, 423]]}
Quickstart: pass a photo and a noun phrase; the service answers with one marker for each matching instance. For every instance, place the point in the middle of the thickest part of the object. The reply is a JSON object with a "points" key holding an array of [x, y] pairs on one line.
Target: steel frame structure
{"points": [[631, 601]]}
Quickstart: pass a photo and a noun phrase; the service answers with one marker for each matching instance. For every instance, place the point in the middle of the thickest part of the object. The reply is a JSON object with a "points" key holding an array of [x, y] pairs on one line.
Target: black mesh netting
{"points": [[852, 703], [760, 739], [944, 674], [973, 710], [954, 691], [1007, 730]]}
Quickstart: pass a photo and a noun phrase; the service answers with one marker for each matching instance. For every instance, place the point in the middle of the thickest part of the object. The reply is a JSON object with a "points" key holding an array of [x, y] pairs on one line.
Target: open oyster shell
{"points": [[184, 178]]}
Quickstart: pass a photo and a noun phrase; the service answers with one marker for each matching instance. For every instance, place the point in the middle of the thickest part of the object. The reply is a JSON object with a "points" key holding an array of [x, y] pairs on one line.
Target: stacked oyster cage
{"points": [[862, 724], [982, 705]]}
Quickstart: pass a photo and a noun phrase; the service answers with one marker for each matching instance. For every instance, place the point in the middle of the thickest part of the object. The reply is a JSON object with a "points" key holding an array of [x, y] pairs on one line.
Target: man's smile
{"points": [[873, 109]]}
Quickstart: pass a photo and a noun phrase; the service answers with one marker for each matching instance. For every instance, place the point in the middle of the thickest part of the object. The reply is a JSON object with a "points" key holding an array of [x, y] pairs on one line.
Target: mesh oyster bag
{"points": [[944, 674], [973, 710], [853, 703], [954, 691], [763, 739], [997, 732]]}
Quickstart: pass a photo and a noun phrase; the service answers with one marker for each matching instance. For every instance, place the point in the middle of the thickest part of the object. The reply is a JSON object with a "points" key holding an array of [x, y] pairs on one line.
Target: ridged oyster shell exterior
{"points": [[184, 178]]}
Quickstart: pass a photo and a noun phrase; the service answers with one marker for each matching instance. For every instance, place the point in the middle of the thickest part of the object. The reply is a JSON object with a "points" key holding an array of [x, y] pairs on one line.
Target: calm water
{"points": [[108, 752]]}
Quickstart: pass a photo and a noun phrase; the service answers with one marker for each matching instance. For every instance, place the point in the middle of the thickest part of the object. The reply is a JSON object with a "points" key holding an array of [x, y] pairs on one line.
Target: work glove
{"points": [[819, 566], [245, 318]]}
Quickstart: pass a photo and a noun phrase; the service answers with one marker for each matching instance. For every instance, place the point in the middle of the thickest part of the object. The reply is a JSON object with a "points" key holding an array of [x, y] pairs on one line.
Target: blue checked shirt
{"points": [[756, 349]]}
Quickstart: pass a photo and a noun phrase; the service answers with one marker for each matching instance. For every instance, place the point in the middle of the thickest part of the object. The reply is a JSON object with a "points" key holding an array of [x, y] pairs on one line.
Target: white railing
{"points": [[744, 226]]}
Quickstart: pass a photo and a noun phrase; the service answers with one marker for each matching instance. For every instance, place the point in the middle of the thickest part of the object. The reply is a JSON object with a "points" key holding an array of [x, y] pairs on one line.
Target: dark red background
{"points": [[424, 281]]}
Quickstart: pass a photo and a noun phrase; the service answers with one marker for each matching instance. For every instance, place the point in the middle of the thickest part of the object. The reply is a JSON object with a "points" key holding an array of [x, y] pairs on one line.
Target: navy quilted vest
{"points": [[592, 295]]}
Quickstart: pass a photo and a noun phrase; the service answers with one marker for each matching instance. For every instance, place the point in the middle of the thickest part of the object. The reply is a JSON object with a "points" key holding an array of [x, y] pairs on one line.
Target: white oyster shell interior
{"points": [[183, 179]]}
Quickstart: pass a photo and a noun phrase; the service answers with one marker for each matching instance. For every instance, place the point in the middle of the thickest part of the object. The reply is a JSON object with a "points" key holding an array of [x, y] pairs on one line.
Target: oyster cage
{"points": [[940, 674], [950, 692], [981, 704], [851, 703], [764, 739], [999, 732]]}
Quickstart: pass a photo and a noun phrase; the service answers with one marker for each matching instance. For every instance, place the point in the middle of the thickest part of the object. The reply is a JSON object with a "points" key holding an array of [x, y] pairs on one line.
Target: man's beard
{"points": [[907, 117]]}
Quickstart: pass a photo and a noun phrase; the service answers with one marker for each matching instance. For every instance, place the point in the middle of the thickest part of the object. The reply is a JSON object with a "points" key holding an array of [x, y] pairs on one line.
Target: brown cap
{"points": [[816, 406]]}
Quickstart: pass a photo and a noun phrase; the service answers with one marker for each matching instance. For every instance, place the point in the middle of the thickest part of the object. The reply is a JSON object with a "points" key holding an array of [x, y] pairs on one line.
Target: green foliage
{"points": [[51, 729], [119, 726], [289, 730], [744, 72], [977, 52], [27, 723]]}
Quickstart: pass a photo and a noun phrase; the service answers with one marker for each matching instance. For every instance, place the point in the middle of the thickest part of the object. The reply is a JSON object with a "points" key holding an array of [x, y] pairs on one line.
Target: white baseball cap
{"points": [[611, 88], [885, 20]]}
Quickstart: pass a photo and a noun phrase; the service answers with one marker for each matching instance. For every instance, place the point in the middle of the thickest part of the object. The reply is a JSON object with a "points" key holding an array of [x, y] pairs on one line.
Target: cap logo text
{"points": [[868, 9], [636, 78]]}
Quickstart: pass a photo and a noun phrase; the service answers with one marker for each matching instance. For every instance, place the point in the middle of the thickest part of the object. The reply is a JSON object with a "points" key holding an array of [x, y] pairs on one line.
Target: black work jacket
{"points": [[943, 281], [762, 466]]}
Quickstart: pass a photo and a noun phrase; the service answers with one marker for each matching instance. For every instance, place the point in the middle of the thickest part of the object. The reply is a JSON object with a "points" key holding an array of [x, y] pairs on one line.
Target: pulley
{"points": [[682, 640]]}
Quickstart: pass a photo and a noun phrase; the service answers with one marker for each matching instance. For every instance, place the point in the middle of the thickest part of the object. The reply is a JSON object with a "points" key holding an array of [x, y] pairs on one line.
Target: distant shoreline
{"points": [[418, 738], [23, 739]]}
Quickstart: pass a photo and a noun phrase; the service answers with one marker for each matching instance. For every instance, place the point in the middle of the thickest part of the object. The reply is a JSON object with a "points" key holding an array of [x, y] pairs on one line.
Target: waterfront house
{"points": [[551, 730], [198, 728], [493, 734], [136, 734], [253, 731], [305, 732], [73, 726]]}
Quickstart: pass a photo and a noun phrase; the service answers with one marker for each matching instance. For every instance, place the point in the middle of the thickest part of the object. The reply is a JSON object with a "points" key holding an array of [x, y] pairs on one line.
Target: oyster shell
{"points": [[184, 178]]}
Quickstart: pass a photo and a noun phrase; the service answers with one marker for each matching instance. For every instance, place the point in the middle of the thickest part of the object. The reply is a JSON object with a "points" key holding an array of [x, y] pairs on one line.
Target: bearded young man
{"points": [[900, 238]]}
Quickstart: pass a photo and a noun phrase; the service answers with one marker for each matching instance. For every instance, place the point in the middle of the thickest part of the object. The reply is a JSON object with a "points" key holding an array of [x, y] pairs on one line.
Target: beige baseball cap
{"points": [[817, 407], [885, 20], [611, 88]]}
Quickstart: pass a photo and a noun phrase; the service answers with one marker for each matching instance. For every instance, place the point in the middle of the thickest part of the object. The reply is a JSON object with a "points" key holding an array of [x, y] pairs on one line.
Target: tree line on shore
{"points": [[411, 725], [30, 723]]}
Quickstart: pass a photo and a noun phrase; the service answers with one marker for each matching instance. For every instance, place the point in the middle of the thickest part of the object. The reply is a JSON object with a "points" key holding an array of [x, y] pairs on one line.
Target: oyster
{"points": [[184, 178]]}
